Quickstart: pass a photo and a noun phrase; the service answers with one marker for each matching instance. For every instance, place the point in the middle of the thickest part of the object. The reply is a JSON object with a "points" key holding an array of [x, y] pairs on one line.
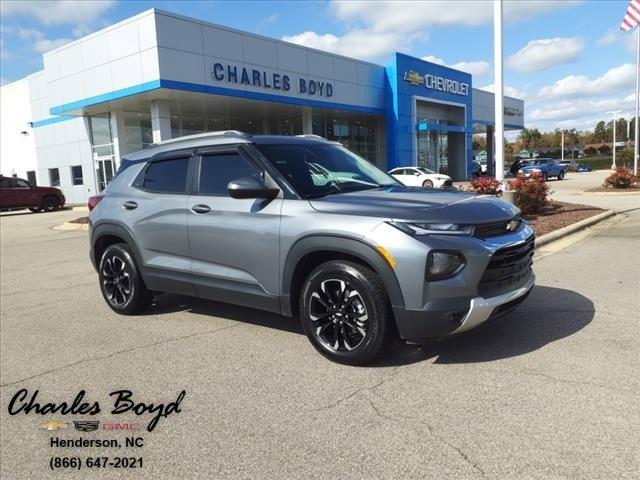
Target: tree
{"points": [[530, 138], [600, 132]]}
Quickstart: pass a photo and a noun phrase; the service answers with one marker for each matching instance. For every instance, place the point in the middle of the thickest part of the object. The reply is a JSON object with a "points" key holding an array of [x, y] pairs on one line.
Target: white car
{"points": [[420, 177]]}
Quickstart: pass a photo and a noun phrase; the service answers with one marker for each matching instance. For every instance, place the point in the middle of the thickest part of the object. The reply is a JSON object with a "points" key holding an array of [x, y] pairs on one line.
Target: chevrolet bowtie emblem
{"points": [[414, 78], [53, 425], [512, 226]]}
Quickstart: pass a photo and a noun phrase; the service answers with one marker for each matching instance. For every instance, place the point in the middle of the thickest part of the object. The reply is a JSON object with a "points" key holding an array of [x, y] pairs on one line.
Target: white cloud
{"points": [[3, 81], [478, 69], [508, 91], [575, 109], [377, 29], [40, 43], [545, 53], [611, 82], [55, 12], [608, 39]]}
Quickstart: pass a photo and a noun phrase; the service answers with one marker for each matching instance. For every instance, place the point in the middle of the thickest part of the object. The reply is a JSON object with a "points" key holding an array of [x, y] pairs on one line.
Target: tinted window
{"points": [[76, 175], [216, 171], [5, 183], [167, 176], [20, 183], [54, 177]]}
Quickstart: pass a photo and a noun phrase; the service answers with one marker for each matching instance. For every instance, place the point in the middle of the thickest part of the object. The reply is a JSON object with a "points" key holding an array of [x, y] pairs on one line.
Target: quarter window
{"points": [[168, 176], [216, 171], [54, 177], [76, 175]]}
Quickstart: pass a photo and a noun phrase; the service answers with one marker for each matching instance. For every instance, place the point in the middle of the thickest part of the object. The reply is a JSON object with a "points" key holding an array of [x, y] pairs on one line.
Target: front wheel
{"points": [[49, 204], [120, 281], [427, 184], [345, 312], [560, 175]]}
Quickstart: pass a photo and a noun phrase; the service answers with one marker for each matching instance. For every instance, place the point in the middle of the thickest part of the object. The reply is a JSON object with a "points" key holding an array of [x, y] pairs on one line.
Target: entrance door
{"points": [[433, 151]]}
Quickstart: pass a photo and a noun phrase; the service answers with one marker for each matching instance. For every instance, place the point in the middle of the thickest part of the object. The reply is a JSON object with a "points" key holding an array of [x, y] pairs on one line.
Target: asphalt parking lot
{"points": [[550, 391]]}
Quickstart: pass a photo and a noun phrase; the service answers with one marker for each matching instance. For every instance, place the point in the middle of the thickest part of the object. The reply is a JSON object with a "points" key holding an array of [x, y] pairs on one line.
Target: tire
{"points": [[345, 312], [560, 175], [35, 209], [121, 285], [427, 184], [49, 204]]}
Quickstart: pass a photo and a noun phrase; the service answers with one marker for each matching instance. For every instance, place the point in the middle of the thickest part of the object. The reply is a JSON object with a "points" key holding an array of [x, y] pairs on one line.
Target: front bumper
{"points": [[447, 317], [484, 308]]}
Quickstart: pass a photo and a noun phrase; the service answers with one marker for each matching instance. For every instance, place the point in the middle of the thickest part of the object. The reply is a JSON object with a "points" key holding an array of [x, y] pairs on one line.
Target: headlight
{"points": [[444, 264], [434, 228]]}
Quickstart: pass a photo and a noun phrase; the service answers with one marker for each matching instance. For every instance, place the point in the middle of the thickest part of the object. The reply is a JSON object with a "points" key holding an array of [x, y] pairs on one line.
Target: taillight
{"points": [[93, 201]]}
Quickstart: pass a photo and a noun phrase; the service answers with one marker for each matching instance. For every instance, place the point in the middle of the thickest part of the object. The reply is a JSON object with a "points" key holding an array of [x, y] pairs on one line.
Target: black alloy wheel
{"points": [[120, 282], [49, 204], [345, 312]]}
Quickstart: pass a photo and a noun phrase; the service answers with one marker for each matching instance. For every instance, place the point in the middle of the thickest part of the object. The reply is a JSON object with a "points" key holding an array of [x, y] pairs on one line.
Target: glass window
{"points": [[100, 129], [216, 171], [54, 177], [168, 176], [192, 124], [5, 182], [323, 169], [76, 175], [20, 183], [31, 176], [138, 131]]}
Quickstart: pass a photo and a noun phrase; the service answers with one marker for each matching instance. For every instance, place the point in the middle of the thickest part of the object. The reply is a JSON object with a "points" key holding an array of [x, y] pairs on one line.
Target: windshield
{"points": [[315, 170], [538, 162], [426, 170]]}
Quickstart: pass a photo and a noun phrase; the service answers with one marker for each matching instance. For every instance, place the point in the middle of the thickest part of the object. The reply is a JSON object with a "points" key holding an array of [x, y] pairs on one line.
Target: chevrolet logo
{"points": [[512, 226], [414, 78], [53, 425]]}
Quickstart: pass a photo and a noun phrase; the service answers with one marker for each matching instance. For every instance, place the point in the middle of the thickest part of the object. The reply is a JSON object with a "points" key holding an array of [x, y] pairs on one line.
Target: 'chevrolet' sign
{"points": [[434, 82]]}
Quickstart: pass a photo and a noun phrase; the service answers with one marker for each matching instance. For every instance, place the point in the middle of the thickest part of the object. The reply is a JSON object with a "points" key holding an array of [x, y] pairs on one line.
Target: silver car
{"points": [[303, 227]]}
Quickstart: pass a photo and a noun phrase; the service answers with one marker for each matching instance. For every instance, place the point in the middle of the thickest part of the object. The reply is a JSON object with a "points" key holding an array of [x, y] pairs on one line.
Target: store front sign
{"points": [[434, 82], [270, 80]]}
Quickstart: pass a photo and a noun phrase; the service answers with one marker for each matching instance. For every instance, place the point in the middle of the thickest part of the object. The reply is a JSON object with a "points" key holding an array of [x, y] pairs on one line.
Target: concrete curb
{"points": [[604, 194], [569, 229]]}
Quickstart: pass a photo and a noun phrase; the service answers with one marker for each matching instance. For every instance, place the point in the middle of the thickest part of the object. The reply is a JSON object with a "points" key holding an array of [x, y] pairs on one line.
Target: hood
{"points": [[418, 204]]}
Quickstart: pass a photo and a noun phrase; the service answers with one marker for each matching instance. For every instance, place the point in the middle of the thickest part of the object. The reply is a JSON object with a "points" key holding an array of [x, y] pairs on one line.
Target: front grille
{"points": [[508, 268], [493, 229]]}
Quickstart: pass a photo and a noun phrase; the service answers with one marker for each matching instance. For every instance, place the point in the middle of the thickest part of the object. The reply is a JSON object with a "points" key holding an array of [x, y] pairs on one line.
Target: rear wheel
{"points": [[427, 184], [35, 209], [345, 312], [49, 204], [120, 281]]}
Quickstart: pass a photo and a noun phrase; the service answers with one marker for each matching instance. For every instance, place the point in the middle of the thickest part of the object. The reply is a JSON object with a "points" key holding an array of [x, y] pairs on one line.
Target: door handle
{"points": [[130, 205], [200, 208]]}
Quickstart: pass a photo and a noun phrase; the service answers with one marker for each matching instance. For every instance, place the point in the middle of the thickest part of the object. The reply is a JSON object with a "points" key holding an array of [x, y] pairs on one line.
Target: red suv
{"points": [[17, 193]]}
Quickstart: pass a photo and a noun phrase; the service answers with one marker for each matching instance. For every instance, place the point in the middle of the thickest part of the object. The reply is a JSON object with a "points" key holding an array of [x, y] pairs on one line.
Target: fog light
{"points": [[444, 264]]}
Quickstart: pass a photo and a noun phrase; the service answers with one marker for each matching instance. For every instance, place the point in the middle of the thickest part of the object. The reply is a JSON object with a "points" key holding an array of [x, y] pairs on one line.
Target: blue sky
{"points": [[567, 59]]}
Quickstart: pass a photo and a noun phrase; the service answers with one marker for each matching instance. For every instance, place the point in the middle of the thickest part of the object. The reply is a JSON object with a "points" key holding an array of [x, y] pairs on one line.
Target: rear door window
{"points": [[167, 176]]}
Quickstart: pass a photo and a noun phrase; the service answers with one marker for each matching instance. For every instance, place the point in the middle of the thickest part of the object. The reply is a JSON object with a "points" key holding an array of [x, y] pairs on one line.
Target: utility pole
{"points": [[499, 89]]}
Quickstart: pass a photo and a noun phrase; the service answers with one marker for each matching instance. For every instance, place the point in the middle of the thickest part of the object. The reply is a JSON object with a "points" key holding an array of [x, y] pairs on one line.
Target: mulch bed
{"points": [[559, 214], [83, 220]]}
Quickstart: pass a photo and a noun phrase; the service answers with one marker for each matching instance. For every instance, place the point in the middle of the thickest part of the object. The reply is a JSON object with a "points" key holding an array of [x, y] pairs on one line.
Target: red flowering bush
{"points": [[531, 194], [486, 186], [621, 178]]}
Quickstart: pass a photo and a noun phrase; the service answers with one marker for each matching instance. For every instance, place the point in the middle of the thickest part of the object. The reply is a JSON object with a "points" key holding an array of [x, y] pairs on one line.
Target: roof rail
{"points": [[311, 135], [221, 133]]}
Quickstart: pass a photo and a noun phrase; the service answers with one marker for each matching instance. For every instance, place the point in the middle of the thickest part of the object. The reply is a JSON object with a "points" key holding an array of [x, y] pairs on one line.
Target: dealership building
{"points": [[159, 75]]}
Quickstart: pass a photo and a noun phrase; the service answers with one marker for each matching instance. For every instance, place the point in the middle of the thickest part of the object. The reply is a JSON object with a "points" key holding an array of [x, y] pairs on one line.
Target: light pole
{"points": [[614, 112], [498, 90], [562, 146]]}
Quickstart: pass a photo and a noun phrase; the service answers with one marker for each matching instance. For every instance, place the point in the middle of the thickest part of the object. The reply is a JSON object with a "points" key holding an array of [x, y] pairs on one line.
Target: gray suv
{"points": [[303, 227]]}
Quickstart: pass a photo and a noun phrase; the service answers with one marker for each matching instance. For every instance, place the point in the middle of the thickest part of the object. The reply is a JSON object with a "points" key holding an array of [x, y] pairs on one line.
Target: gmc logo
{"points": [[119, 426]]}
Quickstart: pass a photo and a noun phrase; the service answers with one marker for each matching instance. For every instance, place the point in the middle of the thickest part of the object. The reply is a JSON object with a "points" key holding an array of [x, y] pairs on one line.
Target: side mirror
{"points": [[249, 187]]}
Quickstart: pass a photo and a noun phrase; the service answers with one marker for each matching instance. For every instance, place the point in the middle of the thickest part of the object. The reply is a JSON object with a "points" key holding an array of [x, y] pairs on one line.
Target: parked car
{"points": [[584, 167], [17, 193], [569, 165], [546, 167], [421, 177], [303, 227]]}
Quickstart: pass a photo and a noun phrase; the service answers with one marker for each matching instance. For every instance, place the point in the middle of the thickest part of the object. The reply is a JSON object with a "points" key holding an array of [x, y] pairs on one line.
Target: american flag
{"points": [[632, 17]]}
